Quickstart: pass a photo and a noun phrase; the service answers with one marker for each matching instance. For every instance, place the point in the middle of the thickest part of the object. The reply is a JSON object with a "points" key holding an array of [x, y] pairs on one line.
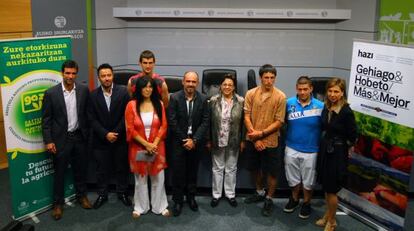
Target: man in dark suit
{"points": [[65, 132], [106, 116], [188, 120]]}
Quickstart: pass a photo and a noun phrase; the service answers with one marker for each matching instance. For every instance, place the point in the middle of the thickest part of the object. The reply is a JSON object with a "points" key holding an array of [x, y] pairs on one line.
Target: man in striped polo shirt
{"points": [[302, 144]]}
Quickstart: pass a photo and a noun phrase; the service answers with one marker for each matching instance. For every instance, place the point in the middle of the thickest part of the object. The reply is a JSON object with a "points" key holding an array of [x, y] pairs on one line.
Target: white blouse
{"points": [[147, 121]]}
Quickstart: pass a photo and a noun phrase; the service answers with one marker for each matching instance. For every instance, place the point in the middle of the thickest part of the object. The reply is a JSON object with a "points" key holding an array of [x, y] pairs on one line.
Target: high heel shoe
{"points": [[321, 222], [135, 214], [330, 226], [166, 213]]}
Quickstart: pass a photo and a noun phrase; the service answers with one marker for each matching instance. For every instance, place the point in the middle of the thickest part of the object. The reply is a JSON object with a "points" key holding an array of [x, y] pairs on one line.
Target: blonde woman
{"points": [[339, 133]]}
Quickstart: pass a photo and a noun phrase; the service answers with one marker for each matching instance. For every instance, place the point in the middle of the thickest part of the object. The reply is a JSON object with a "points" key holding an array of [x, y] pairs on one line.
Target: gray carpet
{"points": [[115, 216]]}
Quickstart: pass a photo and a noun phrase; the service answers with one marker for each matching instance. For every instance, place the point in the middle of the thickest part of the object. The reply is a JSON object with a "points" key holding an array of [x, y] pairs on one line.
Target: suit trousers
{"points": [[73, 153], [224, 160], [112, 158], [158, 196], [185, 170]]}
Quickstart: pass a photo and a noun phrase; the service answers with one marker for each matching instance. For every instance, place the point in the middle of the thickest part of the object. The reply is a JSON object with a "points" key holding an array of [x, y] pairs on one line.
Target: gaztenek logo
{"points": [[364, 54], [60, 21]]}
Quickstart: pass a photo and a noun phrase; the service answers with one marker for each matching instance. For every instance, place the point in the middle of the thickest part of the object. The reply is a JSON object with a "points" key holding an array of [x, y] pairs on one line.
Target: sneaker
{"points": [[267, 208], [254, 198], [305, 211], [291, 205]]}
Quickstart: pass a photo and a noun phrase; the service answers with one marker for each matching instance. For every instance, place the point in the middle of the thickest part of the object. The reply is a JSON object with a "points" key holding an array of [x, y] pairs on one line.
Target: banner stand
{"points": [[28, 67], [364, 219], [380, 95], [42, 210]]}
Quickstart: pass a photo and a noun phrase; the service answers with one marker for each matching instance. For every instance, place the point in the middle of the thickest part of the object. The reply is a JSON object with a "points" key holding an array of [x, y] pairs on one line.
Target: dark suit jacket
{"points": [[178, 116], [103, 121], [55, 118]]}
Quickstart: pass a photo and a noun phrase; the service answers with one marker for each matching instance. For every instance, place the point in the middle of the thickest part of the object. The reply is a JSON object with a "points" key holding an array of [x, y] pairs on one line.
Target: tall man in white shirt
{"points": [[65, 132]]}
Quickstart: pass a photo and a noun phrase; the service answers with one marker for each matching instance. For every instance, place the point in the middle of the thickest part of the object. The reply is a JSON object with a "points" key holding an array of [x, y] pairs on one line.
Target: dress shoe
{"points": [[177, 208], [57, 212], [100, 201], [232, 202], [192, 203], [214, 202], [84, 202], [125, 200]]}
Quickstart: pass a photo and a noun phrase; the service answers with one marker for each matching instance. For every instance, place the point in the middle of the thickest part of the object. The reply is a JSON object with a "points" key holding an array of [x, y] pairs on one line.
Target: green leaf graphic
{"points": [[14, 155], [35, 105], [6, 79]]}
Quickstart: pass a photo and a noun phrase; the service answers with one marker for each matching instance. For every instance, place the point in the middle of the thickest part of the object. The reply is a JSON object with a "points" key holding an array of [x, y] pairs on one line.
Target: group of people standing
{"points": [[129, 126]]}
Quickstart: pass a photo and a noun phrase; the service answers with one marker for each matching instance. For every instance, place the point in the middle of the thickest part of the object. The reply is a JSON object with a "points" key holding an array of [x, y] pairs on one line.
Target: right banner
{"points": [[382, 97]]}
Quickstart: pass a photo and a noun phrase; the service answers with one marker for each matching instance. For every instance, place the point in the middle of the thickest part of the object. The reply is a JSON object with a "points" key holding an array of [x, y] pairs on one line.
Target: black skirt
{"points": [[332, 165]]}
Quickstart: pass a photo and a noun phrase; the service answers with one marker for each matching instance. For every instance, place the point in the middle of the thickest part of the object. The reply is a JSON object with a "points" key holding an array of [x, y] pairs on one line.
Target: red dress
{"points": [[135, 127]]}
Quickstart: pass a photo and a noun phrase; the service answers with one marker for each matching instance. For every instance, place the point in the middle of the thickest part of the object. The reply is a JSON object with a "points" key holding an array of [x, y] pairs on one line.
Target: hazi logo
{"points": [[367, 55]]}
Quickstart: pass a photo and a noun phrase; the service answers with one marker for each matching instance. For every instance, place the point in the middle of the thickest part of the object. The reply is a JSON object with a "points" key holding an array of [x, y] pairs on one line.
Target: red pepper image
{"points": [[400, 158], [378, 150], [403, 163]]}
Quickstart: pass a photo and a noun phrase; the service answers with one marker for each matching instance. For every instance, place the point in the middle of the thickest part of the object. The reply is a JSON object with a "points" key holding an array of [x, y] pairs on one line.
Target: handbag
{"points": [[143, 155]]}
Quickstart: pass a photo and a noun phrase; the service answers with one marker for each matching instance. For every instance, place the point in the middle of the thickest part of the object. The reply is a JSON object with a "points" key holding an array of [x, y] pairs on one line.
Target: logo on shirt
{"points": [[292, 108], [305, 113]]}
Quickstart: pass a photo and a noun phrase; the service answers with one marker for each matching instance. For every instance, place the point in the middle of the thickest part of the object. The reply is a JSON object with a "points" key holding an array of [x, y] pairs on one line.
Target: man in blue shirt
{"points": [[302, 144]]}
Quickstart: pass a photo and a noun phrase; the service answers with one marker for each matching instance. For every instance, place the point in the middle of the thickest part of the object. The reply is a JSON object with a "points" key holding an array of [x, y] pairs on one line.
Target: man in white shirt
{"points": [[65, 132]]}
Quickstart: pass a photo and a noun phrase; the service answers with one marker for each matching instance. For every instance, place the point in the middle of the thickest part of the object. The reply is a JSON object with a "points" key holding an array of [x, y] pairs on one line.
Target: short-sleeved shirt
{"points": [[304, 125], [265, 108], [157, 78]]}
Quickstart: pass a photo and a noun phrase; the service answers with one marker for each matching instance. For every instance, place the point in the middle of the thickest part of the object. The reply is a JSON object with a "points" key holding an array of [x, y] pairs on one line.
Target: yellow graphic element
{"points": [[32, 100], [25, 151], [6, 79], [14, 155]]}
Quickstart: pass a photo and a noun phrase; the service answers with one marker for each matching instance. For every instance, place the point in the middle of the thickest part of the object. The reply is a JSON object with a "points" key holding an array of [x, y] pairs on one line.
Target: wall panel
{"points": [[16, 22]]}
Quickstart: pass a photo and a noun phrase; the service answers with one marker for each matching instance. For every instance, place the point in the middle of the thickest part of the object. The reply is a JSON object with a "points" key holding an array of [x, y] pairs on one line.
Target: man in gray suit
{"points": [[65, 132]]}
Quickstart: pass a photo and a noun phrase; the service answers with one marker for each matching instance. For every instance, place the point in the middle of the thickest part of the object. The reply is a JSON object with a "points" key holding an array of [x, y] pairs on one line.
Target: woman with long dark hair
{"points": [[146, 127], [339, 134]]}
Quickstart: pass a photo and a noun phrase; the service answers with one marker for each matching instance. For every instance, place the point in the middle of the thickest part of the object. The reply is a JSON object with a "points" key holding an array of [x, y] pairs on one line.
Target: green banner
{"points": [[396, 23], [27, 68]]}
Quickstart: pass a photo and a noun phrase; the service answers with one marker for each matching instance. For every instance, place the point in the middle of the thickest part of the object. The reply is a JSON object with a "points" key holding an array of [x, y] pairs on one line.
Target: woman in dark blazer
{"points": [[339, 134]]}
